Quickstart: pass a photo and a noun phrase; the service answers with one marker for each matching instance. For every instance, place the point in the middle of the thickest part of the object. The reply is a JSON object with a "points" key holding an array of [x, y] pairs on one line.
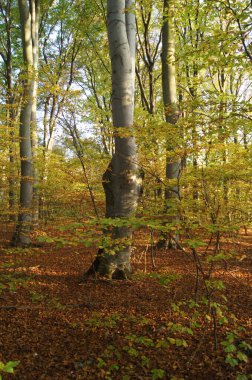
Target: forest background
{"points": [[64, 81]]}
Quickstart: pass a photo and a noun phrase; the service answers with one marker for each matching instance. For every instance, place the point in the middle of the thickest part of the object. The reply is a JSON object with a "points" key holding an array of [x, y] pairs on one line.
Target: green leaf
{"points": [[192, 304], [223, 320], [230, 348], [101, 363], [114, 367], [147, 342], [231, 360], [88, 244], [157, 373], [45, 239], [145, 361], [181, 343], [162, 343], [171, 340], [219, 257], [125, 377], [132, 352], [242, 357], [195, 243], [9, 367], [241, 377], [215, 284], [245, 346]]}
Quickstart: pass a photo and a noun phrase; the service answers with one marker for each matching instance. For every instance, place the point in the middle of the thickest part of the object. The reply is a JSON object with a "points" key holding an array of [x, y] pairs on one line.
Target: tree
{"points": [[8, 40], [210, 92], [29, 13], [169, 86], [148, 49], [121, 181]]}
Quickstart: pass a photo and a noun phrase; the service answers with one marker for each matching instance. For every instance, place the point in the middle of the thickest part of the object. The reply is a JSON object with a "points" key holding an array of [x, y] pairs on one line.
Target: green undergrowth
{"points": [[139, 341], [11, 278]]}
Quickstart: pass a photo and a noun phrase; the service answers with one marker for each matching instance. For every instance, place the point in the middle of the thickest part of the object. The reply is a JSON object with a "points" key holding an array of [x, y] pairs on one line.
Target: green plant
{"points": [[242, 376], [8, 367], [11, 282], [236, 350], [157, 373], [164, 280], [36, 297], [145, 341], [55, 303]]}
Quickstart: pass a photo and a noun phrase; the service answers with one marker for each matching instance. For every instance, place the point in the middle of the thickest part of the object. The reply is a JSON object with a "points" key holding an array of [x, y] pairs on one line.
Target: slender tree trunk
{"points": [[10, 116], [6, 10], [35, 39], [22, 233], [121, 181], [170, 102]]}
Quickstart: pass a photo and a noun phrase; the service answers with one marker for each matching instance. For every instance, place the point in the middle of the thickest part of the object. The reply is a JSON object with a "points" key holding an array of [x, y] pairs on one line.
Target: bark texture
{"points": [[22, 233], [121, 181], [170, 99], [35, 11]]}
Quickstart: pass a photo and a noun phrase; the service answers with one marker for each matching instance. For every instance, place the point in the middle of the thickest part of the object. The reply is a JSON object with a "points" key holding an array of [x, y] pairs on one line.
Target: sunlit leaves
{"points": [[8, 367]]}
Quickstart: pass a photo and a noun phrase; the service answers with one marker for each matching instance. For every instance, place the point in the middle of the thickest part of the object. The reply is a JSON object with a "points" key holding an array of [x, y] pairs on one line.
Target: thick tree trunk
{"points": [[170, 102], [121, 180], [22, 233]]}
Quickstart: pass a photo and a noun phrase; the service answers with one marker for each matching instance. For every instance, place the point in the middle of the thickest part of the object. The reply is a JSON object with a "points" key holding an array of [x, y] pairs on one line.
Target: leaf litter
{"points": [[60, 327]]}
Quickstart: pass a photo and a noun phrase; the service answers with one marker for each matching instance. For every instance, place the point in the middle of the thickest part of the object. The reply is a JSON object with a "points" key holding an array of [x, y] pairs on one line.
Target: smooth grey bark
{"points": [[22, 234], [169, 88], [121, 181], [35, 11]]}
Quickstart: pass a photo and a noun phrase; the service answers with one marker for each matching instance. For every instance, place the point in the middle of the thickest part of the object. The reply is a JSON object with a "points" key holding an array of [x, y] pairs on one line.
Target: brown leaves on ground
{"points": [[59, 327]]}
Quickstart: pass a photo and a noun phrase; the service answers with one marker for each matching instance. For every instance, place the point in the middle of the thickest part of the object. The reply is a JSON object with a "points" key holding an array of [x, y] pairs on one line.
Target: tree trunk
{"points": [[35, 40], [7, 57], [121, 181], [22, 233], [170, 102], [10, 116]]}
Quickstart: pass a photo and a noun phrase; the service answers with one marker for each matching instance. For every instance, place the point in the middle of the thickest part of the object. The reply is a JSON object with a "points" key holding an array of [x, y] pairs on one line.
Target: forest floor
{"points": [[60, 327]]}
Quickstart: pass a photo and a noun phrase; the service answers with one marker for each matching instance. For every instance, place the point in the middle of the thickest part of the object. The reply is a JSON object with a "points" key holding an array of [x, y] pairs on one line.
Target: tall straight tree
{"points": [[121, 181], [6, 53], [35, 11], [170, 99], [28, 11]]}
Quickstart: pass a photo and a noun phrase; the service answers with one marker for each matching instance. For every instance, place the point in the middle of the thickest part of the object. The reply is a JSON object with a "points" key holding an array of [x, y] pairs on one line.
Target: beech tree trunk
{"points": [[121, 181], [35, 10], [170, 102], [22, 233]]}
